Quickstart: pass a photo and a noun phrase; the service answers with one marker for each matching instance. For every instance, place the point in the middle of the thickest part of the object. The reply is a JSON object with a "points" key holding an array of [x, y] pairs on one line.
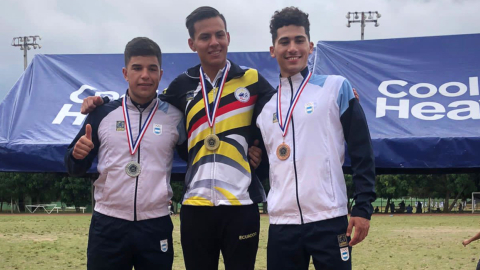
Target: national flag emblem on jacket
{"points": [[157, 129]]}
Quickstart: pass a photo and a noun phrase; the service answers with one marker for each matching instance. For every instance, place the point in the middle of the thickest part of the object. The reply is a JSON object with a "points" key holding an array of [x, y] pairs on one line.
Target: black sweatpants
{"points": [[291, 246], [119, 244], [206, 230]]}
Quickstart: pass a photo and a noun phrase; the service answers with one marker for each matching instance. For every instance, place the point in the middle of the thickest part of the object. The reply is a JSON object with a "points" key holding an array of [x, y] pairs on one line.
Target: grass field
{"points": [[394, 242]]}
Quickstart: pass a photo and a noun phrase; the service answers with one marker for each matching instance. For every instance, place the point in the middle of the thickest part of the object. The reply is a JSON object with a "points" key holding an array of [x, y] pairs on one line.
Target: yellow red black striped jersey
{"points": [[222, 176]]}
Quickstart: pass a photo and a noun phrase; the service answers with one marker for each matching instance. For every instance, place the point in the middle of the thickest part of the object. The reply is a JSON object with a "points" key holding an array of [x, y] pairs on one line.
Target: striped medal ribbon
{"points": [[133, 168], [212, 142], [283, 150]]}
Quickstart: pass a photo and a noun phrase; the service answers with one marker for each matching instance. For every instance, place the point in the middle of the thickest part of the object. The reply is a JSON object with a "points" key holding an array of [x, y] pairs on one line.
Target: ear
{"points": [[161, 74], [124, 71], [311, 47], [272, 51], [191, 44], [228, 38]]}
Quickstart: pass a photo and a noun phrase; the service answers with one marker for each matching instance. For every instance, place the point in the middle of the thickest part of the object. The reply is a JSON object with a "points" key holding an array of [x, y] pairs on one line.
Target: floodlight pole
{"points": [[26, 43], [373, 16]]}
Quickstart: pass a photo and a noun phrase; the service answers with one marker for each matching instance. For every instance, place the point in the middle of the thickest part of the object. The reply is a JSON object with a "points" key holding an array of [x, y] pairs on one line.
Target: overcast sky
{"points": [[105, 26]]}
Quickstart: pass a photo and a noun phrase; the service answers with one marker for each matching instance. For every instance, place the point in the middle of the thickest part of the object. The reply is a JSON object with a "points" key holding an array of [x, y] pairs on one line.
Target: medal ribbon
{"points": [[134, 145], [212, 114], [293, 103]]}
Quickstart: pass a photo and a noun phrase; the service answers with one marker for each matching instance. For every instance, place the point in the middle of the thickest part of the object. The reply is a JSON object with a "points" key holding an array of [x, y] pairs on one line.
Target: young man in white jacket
{"points": [[304, 127]]}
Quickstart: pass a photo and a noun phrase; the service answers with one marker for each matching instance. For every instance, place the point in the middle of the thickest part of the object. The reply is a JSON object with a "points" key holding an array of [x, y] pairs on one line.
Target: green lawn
{"points": [[394, 242]]}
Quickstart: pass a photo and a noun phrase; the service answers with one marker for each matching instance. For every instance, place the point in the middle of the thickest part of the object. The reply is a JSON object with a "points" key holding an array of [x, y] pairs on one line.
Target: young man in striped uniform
{"points": [[219, 98]]}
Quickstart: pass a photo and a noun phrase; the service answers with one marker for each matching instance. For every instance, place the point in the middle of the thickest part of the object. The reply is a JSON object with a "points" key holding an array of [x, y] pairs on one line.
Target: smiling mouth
{"points": [[292, 58], [215, 52], [145, 84]]}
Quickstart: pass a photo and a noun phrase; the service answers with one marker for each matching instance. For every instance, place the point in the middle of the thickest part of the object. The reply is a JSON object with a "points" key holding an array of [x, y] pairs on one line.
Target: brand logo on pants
{"points": [[164, 245], [243, 237]]}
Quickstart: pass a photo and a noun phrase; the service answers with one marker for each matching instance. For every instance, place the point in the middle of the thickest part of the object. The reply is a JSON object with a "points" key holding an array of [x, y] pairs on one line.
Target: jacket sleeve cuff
{"points": [[363, 206]]}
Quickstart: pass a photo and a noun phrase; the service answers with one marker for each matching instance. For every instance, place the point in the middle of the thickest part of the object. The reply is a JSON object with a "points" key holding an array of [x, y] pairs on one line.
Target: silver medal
{"points": [[133, 169]]}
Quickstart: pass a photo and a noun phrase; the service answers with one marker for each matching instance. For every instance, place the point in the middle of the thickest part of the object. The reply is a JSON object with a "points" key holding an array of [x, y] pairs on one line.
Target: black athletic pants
{"points": [[291, 246], [206, 230], [119, 244]]}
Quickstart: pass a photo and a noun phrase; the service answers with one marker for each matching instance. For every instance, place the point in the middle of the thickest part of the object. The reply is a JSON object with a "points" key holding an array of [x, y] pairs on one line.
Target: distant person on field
{"points": [[409, 209], [419, 208], [392, 207], [401, 207]]}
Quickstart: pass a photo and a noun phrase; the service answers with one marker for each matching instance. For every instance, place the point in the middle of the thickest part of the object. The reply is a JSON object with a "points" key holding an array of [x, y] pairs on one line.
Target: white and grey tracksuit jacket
{"points": [[117, 194], [309, 186]]}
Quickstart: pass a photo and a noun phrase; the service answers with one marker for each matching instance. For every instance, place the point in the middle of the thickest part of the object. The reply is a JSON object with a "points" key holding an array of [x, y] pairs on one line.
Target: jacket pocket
{"points": [[327, 181]]}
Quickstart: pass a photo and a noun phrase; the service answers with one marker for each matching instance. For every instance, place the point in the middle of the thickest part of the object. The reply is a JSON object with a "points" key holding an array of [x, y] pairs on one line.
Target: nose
{"points": [[214, 41], [291, 47], [145, 75]]}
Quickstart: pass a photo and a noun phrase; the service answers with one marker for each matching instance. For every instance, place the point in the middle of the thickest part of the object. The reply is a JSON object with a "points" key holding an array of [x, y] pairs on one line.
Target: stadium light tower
{"points": [[373, 16], [25, 44]]}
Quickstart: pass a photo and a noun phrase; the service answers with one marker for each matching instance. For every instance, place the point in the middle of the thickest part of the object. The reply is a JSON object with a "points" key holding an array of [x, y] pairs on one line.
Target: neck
{"points": [[212, 71], [141, 101], [286, 74]]}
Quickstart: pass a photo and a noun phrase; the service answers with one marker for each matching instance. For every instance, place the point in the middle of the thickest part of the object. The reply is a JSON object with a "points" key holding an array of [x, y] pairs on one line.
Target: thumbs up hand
{"points": [[84, 145]]}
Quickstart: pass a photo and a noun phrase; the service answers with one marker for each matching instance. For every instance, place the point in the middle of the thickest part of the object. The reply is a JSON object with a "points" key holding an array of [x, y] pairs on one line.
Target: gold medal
{"points": [[212, 142], [283, 151], [133, 169]]}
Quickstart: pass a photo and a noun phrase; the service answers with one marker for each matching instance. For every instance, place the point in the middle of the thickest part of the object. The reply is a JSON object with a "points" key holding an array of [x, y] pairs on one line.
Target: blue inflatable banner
{"points": [[420, 96]]}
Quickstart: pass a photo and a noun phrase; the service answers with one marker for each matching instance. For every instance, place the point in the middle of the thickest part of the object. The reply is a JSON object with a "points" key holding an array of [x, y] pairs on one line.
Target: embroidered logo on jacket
{"points": [[120, 126], [190, 95], [157, 129], [242, 94], [309, 107], [274, 119]]}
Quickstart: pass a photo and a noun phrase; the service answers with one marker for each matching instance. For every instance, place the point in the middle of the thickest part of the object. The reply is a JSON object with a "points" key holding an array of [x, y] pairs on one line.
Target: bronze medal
{"points": [[283, 151], [212, 142]]}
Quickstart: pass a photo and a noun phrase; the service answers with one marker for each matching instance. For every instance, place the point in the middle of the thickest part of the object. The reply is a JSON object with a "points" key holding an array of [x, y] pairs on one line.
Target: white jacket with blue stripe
{"points": [[309, 186]]}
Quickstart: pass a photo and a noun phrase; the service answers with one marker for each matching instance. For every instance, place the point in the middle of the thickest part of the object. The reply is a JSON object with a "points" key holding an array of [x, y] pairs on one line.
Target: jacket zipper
{"points": [[294, 163], [138, 160]]}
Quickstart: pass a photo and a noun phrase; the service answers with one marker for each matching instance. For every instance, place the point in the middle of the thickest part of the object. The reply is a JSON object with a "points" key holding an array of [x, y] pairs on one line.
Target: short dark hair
{"points": [[199, 14], [142, 46], [286, 17]]}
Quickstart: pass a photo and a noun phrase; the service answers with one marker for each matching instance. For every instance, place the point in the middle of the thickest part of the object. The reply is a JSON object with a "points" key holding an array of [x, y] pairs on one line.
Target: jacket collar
{"points": [[133, 105], [235, 71], [299, 76]]}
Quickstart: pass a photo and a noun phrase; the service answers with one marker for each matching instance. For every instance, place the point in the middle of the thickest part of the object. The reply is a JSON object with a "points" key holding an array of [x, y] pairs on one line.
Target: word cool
{"points": [[428, 110]]}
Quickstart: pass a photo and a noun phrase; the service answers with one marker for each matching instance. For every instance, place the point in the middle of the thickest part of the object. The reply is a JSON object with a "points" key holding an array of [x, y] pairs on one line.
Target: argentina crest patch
{"points": [[309, 107], [120, 126], [345, 254], [164, 245], [157, 129]]}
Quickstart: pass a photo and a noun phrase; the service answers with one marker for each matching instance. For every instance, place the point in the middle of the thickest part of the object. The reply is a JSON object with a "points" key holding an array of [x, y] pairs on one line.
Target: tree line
{"points": [[39, 188]]}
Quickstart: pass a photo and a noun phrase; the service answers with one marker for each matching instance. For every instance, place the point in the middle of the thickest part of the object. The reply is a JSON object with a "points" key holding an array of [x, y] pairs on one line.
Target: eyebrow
{"points": [[138, 65], [296, 37]]}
